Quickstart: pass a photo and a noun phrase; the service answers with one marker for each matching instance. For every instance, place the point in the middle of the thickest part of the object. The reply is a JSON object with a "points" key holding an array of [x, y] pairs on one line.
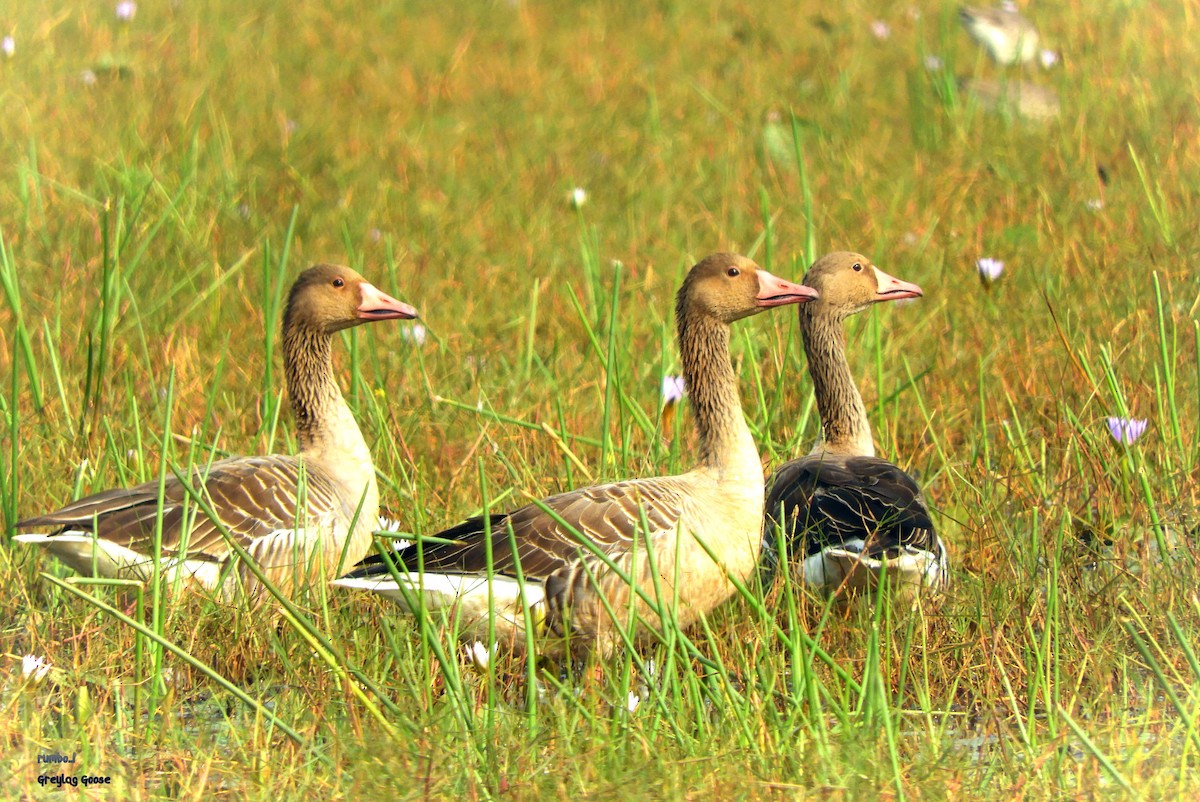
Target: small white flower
{"points": [[480, 655], [989, 269], [126, 10], [34, 668], [414, 334], [880, 29], [9, 46], [1048, 58], [632, 702], [1094, 205], [673, 389], [578, 197], [933, 63], [88, 77]]}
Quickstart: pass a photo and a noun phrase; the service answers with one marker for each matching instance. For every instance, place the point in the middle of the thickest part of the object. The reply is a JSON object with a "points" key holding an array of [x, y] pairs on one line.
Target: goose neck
{"points": [[844, 423], [328, 435], [725, 441]]}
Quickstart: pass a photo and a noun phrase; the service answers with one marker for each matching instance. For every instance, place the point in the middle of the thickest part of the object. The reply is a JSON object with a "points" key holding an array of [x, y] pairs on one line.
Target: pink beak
{"points": [[893, 289], [378, 305], [774, 291]]}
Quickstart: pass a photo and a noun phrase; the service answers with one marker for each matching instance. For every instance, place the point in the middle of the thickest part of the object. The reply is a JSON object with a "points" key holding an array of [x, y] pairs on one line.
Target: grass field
{"points": [[161, 179]]}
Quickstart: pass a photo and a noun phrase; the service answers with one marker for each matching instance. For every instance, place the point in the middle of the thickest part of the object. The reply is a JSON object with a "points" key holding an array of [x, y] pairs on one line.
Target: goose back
{"points": [[838, 511], [1007, 36]]}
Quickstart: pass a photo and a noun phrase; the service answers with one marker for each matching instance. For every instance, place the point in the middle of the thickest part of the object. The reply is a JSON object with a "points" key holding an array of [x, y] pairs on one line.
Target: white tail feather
{"points": [[848, 569]]}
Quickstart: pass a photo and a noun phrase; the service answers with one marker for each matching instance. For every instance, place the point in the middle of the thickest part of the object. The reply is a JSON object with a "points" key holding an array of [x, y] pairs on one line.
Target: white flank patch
{"points": [[466, 593], [89, 555]]}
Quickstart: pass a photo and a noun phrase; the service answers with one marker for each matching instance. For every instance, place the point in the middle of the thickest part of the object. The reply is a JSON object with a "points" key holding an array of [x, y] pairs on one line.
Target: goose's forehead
{"points": [[320, 272], [834, 264]]}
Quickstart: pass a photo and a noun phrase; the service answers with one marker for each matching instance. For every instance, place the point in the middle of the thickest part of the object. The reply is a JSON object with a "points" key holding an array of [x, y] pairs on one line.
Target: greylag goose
{"points": [[1022, 99], [845, 511], [255, 499], [1008, 37], [566, 584]]}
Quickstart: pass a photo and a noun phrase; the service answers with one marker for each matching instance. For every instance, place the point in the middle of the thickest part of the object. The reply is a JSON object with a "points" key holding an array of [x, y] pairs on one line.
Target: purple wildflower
{"points": [[1126, 430]]}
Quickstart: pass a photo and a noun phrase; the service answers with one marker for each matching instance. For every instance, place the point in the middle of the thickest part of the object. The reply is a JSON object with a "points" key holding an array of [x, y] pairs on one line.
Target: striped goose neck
{"points": [[725, 441], [325, 427], [845, 426]]}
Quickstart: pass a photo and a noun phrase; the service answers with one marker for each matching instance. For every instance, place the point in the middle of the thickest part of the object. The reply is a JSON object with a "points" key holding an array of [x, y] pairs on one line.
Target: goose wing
{"points": [[609, 516], [832, 501], [253, 497]]}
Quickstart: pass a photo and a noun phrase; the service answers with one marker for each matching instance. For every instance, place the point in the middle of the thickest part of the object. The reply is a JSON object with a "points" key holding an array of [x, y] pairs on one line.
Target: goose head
{"points": [[330, 298], [729, 287], [849, 283]]}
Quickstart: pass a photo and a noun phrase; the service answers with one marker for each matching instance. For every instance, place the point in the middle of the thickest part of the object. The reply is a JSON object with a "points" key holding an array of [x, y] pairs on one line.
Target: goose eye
{"points": [[857, 267], [337, 282], [733, 272]]}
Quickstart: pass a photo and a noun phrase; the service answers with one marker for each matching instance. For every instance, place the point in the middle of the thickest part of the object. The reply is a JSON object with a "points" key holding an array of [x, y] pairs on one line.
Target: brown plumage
{"points": [[666, 518], [1007, 36], [111, 534], [844, 510]]}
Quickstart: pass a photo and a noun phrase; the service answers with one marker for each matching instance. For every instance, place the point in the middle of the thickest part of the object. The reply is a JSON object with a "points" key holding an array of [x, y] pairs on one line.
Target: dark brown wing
{"points": [[609, 516], [252, 496], [829, 501]]}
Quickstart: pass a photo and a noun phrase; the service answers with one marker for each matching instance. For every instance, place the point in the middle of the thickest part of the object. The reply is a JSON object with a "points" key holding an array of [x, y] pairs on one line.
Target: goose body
{"points": [[679, 539], [848, 514], [300, 517], [1007, 36], [1022, 99]]}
